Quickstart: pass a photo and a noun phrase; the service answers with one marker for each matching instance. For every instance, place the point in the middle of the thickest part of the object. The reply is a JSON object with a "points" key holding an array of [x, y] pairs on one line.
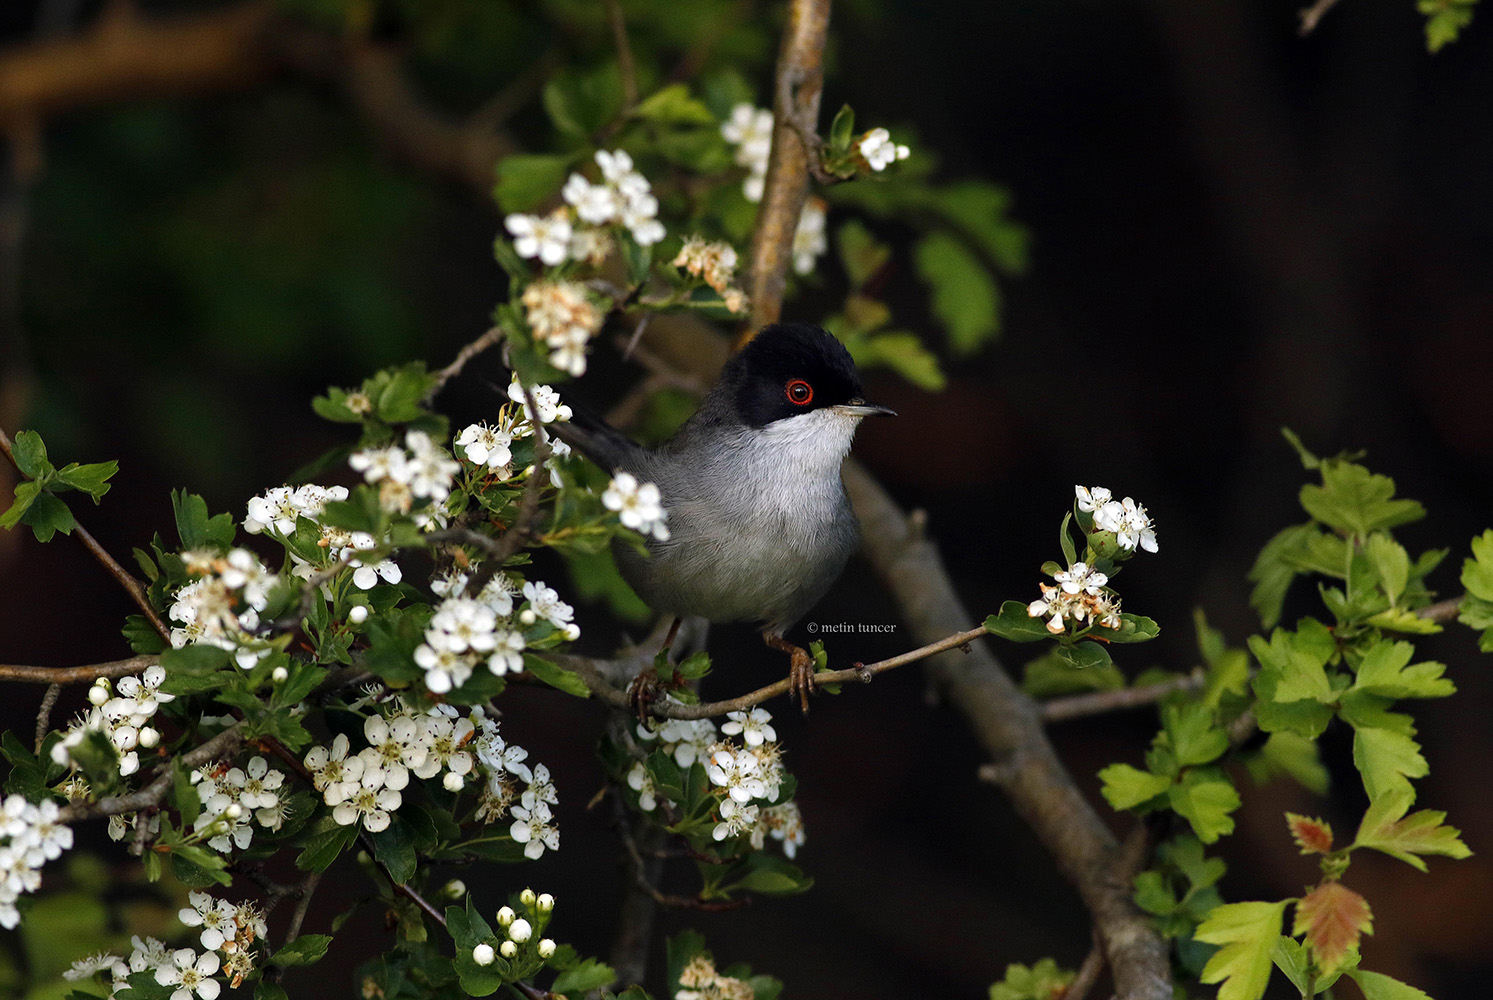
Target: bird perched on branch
{"points": [[759, 522]]}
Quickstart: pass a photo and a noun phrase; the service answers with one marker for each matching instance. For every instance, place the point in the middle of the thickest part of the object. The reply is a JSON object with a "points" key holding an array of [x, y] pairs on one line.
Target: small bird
{"points": [[759, 521]]}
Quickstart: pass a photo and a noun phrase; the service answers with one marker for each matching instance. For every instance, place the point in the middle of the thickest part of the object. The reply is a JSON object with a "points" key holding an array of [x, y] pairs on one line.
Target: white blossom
{"points": [[638, 505], [879, 150], [190, 973], [545, 237]]}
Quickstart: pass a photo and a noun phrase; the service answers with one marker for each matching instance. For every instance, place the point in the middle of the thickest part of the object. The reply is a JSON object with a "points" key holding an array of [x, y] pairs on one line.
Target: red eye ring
{"points": [[799, 392]]}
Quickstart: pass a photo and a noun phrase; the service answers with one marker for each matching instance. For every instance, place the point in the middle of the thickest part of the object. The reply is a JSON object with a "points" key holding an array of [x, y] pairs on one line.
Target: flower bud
{"points": [[508, 949], [453, 782], [527, 897], [527, 616], [99, 693], [358, 614], [520, 930], [572, 631], [505, 916], [482, 954], [546, 947], [234, 811], [279, 674], [454, 889], [149, 737], [545, 902]]}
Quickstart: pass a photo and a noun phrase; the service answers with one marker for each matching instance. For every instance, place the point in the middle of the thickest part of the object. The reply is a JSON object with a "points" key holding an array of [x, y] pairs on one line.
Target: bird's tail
{"points": [[598, 440]]}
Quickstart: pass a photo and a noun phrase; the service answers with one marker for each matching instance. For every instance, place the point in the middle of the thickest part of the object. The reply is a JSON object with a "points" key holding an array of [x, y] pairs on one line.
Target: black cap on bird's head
{"points": [[793, 368]]}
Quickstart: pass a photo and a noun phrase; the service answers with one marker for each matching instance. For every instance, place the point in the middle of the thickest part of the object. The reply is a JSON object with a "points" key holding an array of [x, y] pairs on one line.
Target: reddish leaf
{"points": [[1332, 917], [1313, 836]]}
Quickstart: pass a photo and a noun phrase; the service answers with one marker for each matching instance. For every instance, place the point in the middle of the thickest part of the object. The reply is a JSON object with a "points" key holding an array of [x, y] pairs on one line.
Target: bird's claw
{"points": [[642, 693], [801, 682]]}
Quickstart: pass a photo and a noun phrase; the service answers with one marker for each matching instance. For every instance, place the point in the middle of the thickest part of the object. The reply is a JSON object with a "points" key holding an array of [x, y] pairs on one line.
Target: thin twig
{"points": [[592, 674], [1079, 706], [153, 793], [522, 528], [303, 904], [640, 867], [76, 675], [1442, 611], [464, 355], [1087, 975], [44, 713], [625, 63], [131, 586]]}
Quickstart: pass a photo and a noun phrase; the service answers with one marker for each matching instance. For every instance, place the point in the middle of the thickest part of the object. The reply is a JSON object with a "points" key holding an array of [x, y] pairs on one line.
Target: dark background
{"points": [[1234, 229]]}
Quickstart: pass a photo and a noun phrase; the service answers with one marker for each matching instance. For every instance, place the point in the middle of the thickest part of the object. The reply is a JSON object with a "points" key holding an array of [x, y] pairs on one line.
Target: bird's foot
{"points": [[643, 692], [801, 681]]}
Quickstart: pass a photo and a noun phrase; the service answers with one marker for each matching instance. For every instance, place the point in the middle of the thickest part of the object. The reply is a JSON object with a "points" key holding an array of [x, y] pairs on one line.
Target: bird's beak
{"points": [[860, 408]]}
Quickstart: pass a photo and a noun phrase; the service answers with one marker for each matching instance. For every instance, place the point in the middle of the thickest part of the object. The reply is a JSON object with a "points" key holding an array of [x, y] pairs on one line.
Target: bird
{"points": [[759, 523]]}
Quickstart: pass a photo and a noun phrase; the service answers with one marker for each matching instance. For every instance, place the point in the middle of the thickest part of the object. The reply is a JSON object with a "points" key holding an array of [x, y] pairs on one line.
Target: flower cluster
{"points": [[151, 955], [749, 129], [30, 836], [228, 929], [563, 318], [879, 151], [714, 264], [746, 778], [577, 231], [221, 608], [123, 715], [234, 799], [533, 820], [421, 470], [465, 631], [1078, 597], [700, 981], [367, 786], [1128, 520], [519, 931], [638, 505]]}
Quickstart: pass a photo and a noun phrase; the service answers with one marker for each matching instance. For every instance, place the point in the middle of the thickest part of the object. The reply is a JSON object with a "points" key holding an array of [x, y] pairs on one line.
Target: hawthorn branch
{"points": [[1008, 725], [464, 355], [153, 793], [1080, 706], [76, 675], [1312, 16], [593, 673], [800, 81], [121, 576]]}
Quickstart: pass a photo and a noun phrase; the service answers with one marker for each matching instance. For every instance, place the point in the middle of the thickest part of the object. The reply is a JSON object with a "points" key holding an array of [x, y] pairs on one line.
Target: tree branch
{"points": [[1079, 706], [1008, 725], [800, 80], [76, 675], [593, 673], [153, 793]]}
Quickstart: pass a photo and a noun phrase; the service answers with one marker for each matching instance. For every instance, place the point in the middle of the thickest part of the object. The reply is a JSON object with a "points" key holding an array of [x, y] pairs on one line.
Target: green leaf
{"points": [[1378, 986], [1133, 628], [580, 102], [1385, 671], [198, 867], [1205, 798], [394, 847], [46, 516], [965, 297], [1126, 787], [862, 254], [30, 454], [772, 875], [307, 949], [841, 130], [1050, 675], [1195, 737], [1445, 20], [25, 495], [584, 977], [527, 180], [901, 351], [1292, 668], [1477, 572], [673, 105], [92, 479], [1246, 934], [556, 676], [1357, 501], [1042, 981], [1015, 624], [979, 210], [1084, 656], [264, 990], [1387, 759], [1272, 573], [328, 839], [1386, 828], [1391, 562]]}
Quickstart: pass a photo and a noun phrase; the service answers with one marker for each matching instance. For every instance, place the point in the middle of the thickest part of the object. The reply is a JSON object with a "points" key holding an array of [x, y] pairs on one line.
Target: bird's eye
{"points": [[800, 392]]}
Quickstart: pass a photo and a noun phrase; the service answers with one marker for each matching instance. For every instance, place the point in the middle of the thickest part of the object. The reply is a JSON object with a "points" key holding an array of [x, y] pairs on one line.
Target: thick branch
{"points": [[1008, 725], [800, 80]]}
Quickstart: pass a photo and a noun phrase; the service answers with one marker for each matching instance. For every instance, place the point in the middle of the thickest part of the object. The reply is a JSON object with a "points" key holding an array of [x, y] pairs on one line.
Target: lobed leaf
{"points": [[1386, 828], [1246, 934], [1313, 836], [1333, 918]]}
